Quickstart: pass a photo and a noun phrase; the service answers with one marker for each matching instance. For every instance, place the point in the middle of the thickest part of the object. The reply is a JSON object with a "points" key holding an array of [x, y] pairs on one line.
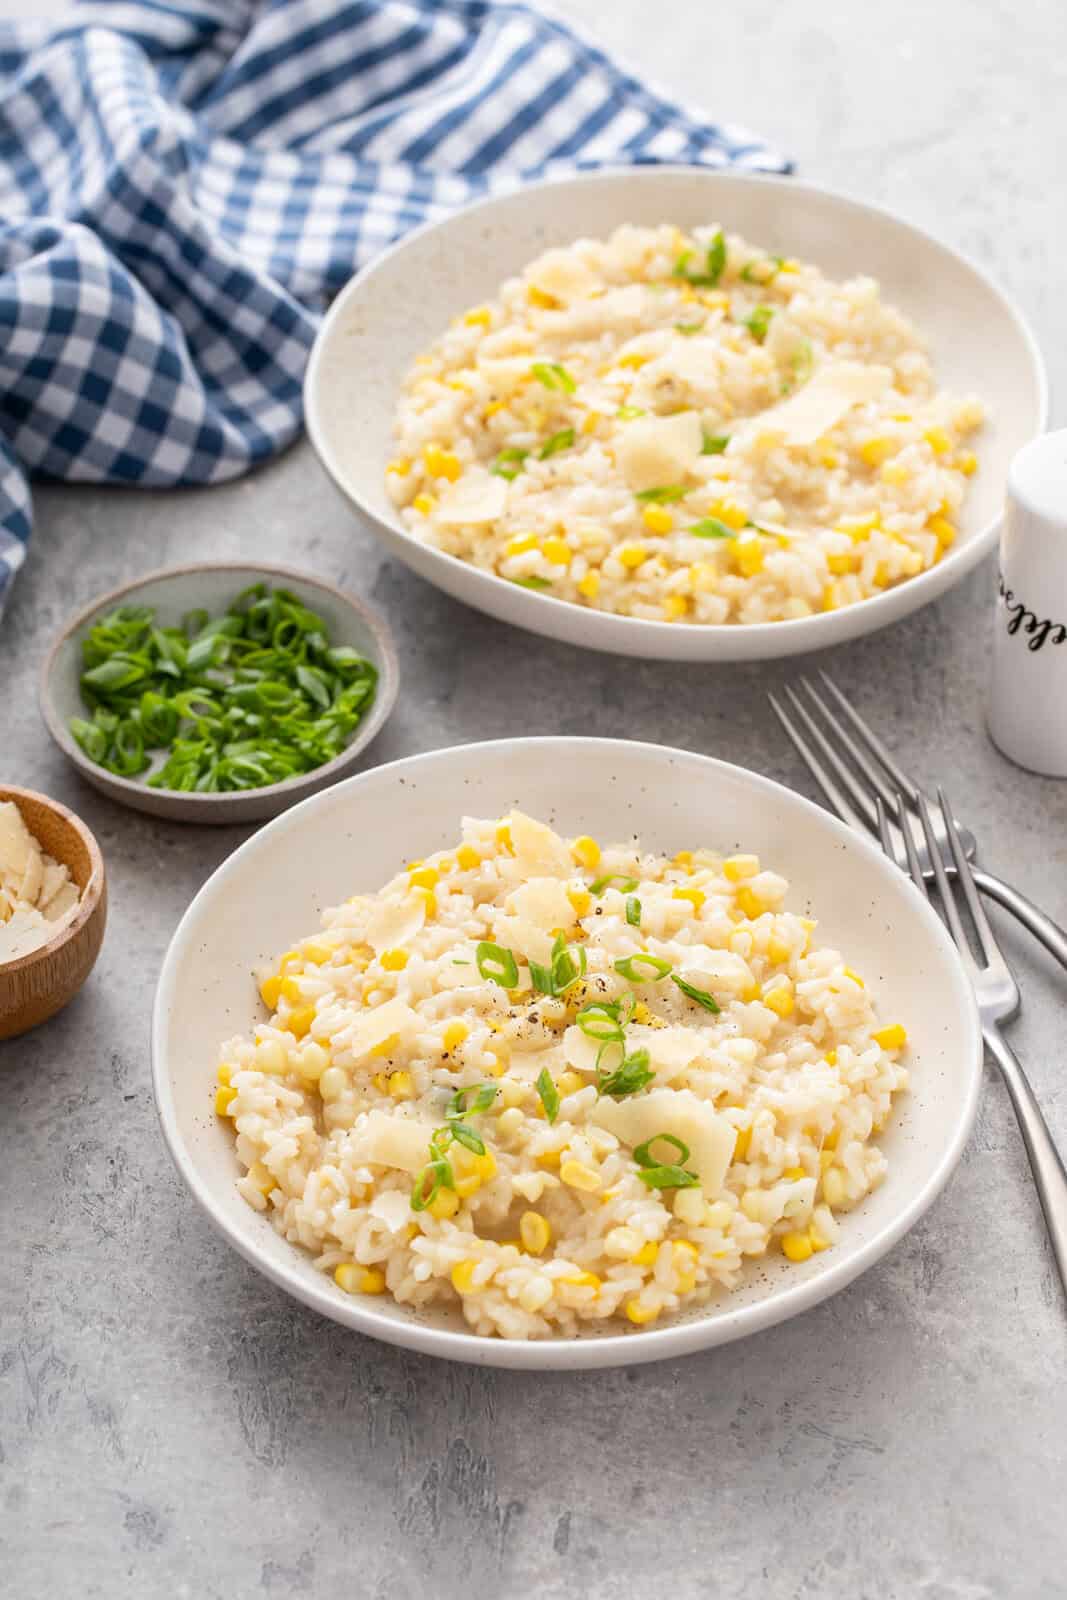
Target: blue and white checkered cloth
{"points": [[185, 183]]}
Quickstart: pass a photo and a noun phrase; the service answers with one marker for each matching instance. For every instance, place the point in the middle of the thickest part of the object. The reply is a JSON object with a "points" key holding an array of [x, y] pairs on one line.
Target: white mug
{"points": [[1028, 696]]}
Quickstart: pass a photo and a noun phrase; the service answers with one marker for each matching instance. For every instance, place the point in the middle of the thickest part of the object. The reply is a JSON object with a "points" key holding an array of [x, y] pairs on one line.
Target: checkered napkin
{"points": [[185, 183]]}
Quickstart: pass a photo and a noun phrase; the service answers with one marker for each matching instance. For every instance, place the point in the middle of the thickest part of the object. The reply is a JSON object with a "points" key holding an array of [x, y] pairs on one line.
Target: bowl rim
{"points": [[90, 896], [557, 1354], [804, 633], [384, 699]]}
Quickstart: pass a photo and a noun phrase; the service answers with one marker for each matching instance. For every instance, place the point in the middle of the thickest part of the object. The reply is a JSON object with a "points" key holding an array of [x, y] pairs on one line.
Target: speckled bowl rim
{"points": [[765, 640], [607, 1350], [90, 895], [384, 699]]}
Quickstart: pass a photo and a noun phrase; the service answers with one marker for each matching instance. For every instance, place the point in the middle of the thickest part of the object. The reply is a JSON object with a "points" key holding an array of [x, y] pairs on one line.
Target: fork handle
{"points": [[1045, 1161], [1051, 935]]}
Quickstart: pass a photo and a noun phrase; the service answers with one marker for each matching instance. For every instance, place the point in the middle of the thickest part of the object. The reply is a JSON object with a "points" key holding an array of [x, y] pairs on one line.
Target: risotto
{"points": [[682, 427], [560, 1086]]}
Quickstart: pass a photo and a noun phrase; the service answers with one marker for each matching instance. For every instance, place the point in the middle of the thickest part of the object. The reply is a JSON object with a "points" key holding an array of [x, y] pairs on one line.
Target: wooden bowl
{"points": [[34, 987], [172, 591]]}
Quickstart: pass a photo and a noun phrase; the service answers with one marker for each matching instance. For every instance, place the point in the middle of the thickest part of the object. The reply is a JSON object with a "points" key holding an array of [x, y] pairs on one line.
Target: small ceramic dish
{"points": [[35, 986], [395, 308], [173, 591], [272, 891]]}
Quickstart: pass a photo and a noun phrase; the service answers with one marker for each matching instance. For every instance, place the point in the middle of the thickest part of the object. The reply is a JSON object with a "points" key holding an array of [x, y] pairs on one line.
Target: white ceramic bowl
{"points": [[397, 306], [355, 835]]}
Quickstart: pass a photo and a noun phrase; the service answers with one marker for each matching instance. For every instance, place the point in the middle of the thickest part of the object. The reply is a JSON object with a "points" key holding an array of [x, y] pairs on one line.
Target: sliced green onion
{"points": [[93, 739], [549, 1094], [758, 323], [541, 978], [643, 1153], [457, 1106], [689, 328], [553, 376], [438, 1174], [630, 413], [559, 441], [629, 1077], [801, 363], [710, 528], [669, 491], [714, 444], [497, 964], [467, 1138], [714, 263], [508, 463], [701, 996], [630, 967], [756, 271], [533, 582], [668, 1178], [598, 886], [633, 911], [569, 963], [600, 1020]]}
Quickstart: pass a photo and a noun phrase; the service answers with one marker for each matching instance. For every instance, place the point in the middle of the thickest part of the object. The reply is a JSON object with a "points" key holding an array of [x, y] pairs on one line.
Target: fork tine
{"points": [[857, 809], [858, 754], [885, 838], [986, 937], [912, 855], [899, 777], [948, 899]]}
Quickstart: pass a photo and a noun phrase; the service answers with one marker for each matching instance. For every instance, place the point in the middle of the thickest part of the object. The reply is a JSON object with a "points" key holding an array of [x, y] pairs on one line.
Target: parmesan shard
{"points": [[654, 452], [62, 903], [17, 843], [561, 274], [372, 1028], [671, 1050], [386, 1140], [393, 1208], [476, 497], [710, 1138], [538, 851], [33, 877], [395, 922], [544, 902], [821, 404]]}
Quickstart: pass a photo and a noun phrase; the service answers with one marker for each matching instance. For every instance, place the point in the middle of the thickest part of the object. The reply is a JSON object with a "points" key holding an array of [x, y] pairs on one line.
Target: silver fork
{"points": [[995, 990], [855, 769]]}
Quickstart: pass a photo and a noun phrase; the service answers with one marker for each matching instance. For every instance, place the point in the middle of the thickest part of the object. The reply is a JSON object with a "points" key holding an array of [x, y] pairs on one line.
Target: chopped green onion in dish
{"points": [[631, 1075], [630, 413], [497, 964], [467, 1137], [763, 269], [549, 1094], [758, 323], [625, 884], [631, 967], [600, 1020], [238, 701], [674, 1176], [553, 376], [710, 528], [687, 329], [508, 463], [662, 496], [457, 1106], [429, 1181], [714, 263], [700, 996], [533, 582], [559, 441], [633, 911], [714, 444]]}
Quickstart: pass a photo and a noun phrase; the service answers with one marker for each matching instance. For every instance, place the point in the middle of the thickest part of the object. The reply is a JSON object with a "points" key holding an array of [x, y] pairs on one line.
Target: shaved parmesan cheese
{"points": [[476, 497], [17, 843], [394, 922], [822, 402], [54, 878], [538, 851], [656, 451], [580, 1051], [32, 877], [61, 904], [671, 1050], [393, 1208], [391, 1141], [374, 1027], [544, 902], [505, 373], [525, 938], [36, 892], [677, 1111], [561, 274], [25, 930]]}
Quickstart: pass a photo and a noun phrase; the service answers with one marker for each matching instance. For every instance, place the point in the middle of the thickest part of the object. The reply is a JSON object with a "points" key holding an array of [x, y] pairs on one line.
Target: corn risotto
{"points": [[558, 1085], [681, 427]]}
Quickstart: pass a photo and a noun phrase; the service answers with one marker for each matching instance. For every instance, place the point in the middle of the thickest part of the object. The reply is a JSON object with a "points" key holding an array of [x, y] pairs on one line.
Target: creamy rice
{"points": [[572, 433], [536, 1218]]}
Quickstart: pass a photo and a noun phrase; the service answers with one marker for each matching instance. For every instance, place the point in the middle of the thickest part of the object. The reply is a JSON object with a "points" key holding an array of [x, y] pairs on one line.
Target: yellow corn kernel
{"points": [[262, 1178], [793, 1174], [675, 606], [683, 858], [548, 1158], [737, 868], [796, 1246], [556, 550], [538, 297], [657, 519], [858, 528], [423, 504], [831, 1139], [492, 408], [875, 451], [485, 1166], [534, 1232], [834, 1188], [826, 1159], [751, 991], [589, 586], [777, 950], [731, 513], [748, 554], [741, 1143], [817, 1241], [639, 1314], [780, 1000], [271, 989], [400, 467], [944, 531], [381, 1082], [467, 857], [385, 1047], [938, 440], [316, 951], [291, 991], [441, 463], [684, 1250], [346, 1276], [895, 472], [881, 574], [634, 359], [462, 1273], [519, 547], [569, 1083], [224, 1074], [224, 1098], [580, 900], [839, 565], [589, 425], [299, 1020], [424, 877], [460, 380], [402, 1086], [632, 556], [967, 463], [696, 897], [892, 1037], [454, 1035], [828, 457], [849, 973], [479, 317], [503, 839], [581, 1280], [394, 960], [748, 901], [444, 1204], [579, 1176], [703, 575], [646, 1256], [586, 851]]}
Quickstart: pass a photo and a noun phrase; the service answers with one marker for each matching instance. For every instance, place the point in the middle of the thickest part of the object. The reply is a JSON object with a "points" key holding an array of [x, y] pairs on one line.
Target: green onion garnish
{"points": [[758, 323], [630, 1076], [533, 582], [569, 963], [701, 996], [762, 270], [497, 964], [714, 444], [559, 441], [710, 528], [801, 363], [664, 1177], [714, 263], [643, 1153], [633, 911], [688, 328], [598, 886], [541, 978], [630, 967], [600, 1020], [553, 376], [467, 1137], [669, 491], [482, 1100], [629, 413], [508, 463], [546, 1088], [436, 1173]]}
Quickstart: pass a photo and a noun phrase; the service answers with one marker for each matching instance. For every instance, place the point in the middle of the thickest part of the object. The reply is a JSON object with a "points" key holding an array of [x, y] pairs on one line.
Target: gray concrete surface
{"points": [[170, 1425]]}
